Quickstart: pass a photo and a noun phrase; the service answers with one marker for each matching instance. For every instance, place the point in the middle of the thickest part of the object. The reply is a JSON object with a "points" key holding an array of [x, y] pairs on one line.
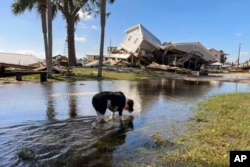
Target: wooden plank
{"points": [[16, 66]]}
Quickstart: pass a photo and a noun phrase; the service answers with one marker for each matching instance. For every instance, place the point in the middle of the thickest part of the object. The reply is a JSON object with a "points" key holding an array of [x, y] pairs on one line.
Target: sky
{"points": [[219, 24]]}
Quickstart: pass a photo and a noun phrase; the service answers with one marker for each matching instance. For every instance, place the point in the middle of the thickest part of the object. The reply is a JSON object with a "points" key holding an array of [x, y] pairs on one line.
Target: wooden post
{"points": [[43, 76], [2, 71], [19, 76], [195, 63]]}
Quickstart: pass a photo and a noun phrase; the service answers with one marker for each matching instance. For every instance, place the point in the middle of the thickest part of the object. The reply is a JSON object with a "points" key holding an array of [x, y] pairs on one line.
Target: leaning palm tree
{"points": [[20, 6]]}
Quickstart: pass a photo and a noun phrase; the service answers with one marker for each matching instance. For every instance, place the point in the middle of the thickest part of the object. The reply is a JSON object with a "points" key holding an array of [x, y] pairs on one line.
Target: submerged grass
{"points": [[223, 126]]}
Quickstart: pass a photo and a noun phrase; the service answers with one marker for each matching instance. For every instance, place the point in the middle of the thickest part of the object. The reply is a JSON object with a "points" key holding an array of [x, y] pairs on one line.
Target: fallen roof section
{"points": [[195, 46], [118, 56], [9, 59]]}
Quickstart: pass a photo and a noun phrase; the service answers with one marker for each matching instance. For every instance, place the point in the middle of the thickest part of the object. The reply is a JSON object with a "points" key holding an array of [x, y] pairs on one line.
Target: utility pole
{"points": [[238, 60]]}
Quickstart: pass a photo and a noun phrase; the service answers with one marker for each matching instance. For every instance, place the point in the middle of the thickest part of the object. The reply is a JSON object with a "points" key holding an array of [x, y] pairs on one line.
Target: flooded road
{"points": [[48, 124]]}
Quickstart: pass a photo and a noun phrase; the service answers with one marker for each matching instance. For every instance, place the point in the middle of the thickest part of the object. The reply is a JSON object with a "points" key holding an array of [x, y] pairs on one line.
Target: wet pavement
{"points": [[48, 124]]}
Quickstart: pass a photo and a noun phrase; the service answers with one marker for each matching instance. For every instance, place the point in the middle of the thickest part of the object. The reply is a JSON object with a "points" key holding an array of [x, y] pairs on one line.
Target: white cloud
{"points": [[79, 39], [238, 34], [85, 15], [82, 26], [32, 52], [85, 26], [94, 27]]}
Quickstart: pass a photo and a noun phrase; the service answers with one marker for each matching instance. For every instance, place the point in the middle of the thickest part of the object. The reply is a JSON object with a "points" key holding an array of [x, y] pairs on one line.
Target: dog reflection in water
{"points": [[114, 101]]}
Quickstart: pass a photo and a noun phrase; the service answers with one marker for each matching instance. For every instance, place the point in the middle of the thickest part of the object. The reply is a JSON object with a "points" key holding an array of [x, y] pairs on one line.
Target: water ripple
{"points": [[54, 142]]}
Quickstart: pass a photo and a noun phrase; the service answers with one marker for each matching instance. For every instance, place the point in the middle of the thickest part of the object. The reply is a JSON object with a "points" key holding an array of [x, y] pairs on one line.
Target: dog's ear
{"points": [[130, 104]]}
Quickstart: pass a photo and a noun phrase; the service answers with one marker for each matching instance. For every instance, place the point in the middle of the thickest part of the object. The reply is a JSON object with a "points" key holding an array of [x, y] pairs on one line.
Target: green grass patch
{"points": [[220, 124], [91, 74], [223, 126]]}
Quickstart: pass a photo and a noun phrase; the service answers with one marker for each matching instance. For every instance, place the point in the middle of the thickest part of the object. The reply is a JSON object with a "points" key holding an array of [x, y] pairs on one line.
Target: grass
{"points": [[223, 125], [138, 74], [91, 74]]}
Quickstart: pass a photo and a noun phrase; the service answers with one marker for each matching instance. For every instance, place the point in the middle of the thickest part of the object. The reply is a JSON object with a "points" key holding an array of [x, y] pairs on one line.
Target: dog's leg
{"points": [[121, 116], [112, 116], [98, 119], [113, 110]]}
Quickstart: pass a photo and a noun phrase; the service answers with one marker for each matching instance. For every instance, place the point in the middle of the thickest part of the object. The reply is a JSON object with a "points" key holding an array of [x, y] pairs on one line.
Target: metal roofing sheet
{"points": [[18, 59], [196, 46]]}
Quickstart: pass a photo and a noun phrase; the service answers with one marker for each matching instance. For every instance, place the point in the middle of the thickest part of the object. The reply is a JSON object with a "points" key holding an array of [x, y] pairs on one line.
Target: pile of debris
{"points": [[109, 63], [156, 66], [10, 64], [59, 65]]}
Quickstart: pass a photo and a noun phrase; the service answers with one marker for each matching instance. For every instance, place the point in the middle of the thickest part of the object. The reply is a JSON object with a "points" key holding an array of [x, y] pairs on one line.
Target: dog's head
{"points": [[130, 105]]}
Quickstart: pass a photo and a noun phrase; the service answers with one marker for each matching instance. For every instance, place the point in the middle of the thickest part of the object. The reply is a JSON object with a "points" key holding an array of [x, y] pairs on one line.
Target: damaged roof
{"points": [[118, 55], [18, 59], [195, 46]]}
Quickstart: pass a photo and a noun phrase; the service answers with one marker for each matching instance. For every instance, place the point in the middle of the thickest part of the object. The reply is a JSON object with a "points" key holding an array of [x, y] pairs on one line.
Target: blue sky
{"points": [[219, 24]]}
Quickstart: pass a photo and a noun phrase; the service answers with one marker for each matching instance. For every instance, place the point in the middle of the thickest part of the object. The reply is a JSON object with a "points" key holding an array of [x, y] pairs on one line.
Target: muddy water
{"points": [[49, 124]]}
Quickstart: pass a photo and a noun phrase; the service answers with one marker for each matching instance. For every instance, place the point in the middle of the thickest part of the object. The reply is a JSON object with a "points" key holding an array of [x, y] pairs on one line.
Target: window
{"points": [[135, 40], [129, 38]]}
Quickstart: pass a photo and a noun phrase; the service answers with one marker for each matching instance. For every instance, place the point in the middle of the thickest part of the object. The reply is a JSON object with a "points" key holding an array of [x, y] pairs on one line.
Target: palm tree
{"points": [[103, 24], [70, 9], [20, 6], [102, 5], [50, 38]]}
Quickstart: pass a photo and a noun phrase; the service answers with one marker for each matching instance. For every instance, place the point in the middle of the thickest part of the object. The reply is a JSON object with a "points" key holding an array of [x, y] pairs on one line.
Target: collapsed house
{"points": [[190, 55], [13, 61], [140, 46]]}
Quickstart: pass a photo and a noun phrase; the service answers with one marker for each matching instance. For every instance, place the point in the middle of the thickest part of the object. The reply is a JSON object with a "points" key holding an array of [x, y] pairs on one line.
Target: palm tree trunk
{"points": [[50, 38], [44, 29], [71, 42], [103, 23]]}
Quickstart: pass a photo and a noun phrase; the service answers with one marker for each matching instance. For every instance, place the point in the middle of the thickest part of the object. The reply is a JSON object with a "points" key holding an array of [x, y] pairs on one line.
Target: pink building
{"points": [[216, 53]]}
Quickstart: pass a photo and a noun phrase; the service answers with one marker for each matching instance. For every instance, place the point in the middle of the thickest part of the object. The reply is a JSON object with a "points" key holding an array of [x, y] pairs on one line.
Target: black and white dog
{"points": [[114, 101]]}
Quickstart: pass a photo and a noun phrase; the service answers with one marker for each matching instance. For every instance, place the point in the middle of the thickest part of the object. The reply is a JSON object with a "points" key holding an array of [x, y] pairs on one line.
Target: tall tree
{"points": [[101, 4], [103, 24], [50, 38], [70, 9], [20, 6]]}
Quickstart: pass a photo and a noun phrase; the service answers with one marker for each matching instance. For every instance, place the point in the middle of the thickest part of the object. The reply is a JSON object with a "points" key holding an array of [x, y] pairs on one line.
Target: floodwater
{"points": [[48, 124]]}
